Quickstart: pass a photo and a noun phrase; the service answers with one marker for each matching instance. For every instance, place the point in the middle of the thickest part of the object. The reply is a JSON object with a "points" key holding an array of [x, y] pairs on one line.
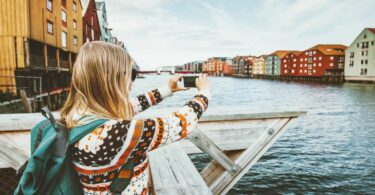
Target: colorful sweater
{"points": [[98, 157]]}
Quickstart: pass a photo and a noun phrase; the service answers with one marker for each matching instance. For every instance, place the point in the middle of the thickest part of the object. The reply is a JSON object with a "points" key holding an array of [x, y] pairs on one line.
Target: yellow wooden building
{"points": [[38, 38]]}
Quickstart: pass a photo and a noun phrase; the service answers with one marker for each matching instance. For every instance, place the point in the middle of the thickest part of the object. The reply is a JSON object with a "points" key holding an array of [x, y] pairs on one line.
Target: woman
{"points": [[100, 87]]}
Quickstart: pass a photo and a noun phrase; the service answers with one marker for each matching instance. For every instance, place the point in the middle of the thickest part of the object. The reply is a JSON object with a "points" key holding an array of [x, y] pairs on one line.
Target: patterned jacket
{"points": [[98, 156]]}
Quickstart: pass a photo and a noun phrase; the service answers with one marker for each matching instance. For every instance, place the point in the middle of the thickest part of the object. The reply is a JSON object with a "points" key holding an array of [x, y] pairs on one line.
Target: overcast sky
{"points": [[173, 32]]}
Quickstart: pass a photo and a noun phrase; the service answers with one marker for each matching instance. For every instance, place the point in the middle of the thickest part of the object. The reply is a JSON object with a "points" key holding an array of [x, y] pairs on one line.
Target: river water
{"points": [[330, 150]]}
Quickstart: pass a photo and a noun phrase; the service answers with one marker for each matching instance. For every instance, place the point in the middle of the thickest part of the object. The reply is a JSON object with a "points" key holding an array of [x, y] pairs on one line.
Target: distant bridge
{"points": [[166, 71]]}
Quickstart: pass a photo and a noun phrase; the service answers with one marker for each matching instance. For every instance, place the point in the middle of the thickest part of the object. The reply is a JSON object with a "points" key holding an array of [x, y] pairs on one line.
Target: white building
{"points": [[360, 57]]}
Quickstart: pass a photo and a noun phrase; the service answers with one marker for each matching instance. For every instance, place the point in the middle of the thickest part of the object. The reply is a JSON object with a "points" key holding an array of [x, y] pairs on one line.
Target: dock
{"points": [[235, 142]]}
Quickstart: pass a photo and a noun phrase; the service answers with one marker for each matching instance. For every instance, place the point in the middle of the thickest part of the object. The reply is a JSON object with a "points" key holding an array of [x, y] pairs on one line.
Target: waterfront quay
{"points": [[333, 63]]}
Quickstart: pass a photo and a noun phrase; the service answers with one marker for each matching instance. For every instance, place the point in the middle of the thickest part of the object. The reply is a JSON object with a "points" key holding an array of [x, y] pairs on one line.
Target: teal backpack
{"points": [[49, 169]]}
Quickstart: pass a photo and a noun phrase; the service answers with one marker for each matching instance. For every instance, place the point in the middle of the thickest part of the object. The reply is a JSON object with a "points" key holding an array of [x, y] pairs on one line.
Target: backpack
{"points": [[49, 170]]}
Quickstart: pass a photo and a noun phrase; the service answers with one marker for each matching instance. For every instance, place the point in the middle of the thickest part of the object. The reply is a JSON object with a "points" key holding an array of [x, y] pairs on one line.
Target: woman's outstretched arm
{"points": [[141, 102]]}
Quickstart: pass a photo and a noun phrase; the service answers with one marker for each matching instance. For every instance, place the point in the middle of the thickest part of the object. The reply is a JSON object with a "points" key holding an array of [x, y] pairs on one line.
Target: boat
{"points": [[234, 141]]}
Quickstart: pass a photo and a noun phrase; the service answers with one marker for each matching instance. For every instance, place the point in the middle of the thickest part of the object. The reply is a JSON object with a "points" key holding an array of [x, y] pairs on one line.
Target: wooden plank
{"points": [[15, 158], [31, 119], [173, 173], [223, 181]]}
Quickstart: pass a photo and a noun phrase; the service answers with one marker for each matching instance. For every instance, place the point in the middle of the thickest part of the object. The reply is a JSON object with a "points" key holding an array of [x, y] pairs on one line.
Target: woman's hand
{"points": [[202, 83], [173, 84]]}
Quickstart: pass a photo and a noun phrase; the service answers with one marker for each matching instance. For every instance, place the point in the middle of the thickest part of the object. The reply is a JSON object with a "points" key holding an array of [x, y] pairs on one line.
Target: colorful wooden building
{"points": [[38, 41], [90, 21], [290, 64], [216, 65], [273, 62], [105, 31], [360, 57], [322, 60], [243, 66], [259, 65]]}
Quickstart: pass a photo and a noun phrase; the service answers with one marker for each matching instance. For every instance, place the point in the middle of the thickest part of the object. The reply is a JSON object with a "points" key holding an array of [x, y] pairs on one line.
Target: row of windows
{"points": [[363, 53], [301, 71], [49, 5], [63, 34], [365, 45]]}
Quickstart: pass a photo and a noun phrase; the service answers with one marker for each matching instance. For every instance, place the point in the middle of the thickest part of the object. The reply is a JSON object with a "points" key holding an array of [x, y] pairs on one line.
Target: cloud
{"points": [[172, 32]]}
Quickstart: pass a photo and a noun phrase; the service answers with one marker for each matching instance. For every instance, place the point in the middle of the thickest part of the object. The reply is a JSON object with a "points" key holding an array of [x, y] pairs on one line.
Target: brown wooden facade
{"points": [[38, 38]]}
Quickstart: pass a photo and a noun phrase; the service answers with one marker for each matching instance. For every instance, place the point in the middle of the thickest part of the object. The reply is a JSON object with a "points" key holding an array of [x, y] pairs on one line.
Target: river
{"points": [[329, 150]]}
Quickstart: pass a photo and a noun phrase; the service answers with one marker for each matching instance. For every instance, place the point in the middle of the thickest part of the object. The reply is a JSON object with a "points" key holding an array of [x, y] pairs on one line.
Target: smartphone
{"points": [[189, 81]]}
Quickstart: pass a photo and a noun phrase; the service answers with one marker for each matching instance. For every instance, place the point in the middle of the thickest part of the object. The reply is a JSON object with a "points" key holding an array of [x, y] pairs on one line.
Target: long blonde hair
{"points": [[100, 83]]}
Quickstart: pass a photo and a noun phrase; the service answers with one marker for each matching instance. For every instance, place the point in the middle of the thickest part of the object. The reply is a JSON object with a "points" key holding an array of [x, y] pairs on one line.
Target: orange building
{"points": [[38, 39]]}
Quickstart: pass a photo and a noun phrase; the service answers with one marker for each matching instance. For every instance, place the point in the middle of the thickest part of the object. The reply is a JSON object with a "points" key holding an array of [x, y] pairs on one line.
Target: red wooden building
{"points": [[289, 64], [90, 21], [322, 60]]}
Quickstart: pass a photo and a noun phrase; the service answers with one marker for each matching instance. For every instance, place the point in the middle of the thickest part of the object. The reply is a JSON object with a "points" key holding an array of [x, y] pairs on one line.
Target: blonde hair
{"points": [[100, 83]]}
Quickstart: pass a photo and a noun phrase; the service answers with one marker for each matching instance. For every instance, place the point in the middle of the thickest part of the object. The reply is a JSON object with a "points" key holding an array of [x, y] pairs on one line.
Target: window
{"points": [[366, 53], [305, 71], [285, 66], [366, 62], [294, 60], [331, 58], [294, 65], [351, 63], [92, 34], [314, 52], [50, 27], [314, 64], [372, 42], [351, 54], [314, 71], [285, 71], [362, 53], [63, 17], [75, 24], [75, 40], [357, 44], [320, 58], [364, 36], [331, 64], [361, 61], [63, 3], [92, 20], [301, 60], [74, 6], [363, 71], [320, 64], [63, 39], [49, 5], [314, 58]]}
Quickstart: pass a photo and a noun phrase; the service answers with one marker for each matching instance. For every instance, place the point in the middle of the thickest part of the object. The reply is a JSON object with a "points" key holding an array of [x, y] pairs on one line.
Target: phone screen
{"points": [[189, 81]]}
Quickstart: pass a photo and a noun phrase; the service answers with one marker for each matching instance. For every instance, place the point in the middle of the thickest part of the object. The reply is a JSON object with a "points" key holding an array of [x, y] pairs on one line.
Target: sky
{"points": [[174, 32]]}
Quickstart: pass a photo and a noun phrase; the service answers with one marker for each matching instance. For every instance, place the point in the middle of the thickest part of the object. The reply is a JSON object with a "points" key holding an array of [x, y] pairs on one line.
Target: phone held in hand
{"points": [[189, 81]]}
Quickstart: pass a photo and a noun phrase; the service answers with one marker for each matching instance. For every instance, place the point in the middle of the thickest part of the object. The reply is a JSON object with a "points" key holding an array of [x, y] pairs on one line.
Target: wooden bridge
{"points": [[234, 141]]}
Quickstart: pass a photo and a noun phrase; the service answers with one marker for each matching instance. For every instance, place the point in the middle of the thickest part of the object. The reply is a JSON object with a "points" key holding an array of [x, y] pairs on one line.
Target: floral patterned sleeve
{"points": [[142, 102]]}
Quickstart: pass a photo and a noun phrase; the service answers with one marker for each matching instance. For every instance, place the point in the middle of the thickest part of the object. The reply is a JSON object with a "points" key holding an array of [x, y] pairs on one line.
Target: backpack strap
{"points": [[123, 178], [78, 133]]}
